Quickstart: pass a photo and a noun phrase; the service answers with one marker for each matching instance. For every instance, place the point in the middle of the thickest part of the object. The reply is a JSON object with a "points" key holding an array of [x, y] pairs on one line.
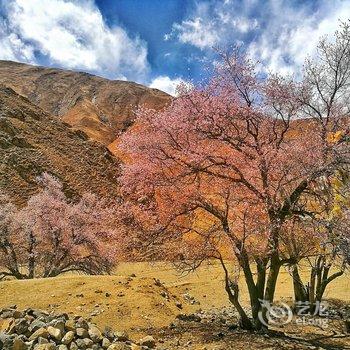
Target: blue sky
{"points": [[161, 42]]}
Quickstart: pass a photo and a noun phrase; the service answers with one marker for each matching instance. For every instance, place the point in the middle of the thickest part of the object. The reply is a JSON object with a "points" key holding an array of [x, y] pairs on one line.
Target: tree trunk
{"points": [[31, 256], [317, 284], [312, 287], [232, 290], [300, 292], [270, 287], [272, 278]]}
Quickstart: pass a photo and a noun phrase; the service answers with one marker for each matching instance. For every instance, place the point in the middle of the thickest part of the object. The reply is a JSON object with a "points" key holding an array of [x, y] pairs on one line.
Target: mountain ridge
{"points": [[33, 141], [100, 107]]}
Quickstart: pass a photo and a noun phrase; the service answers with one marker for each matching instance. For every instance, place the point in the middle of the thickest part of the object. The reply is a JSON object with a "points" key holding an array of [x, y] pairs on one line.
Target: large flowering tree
{"points": [[225, 169]]}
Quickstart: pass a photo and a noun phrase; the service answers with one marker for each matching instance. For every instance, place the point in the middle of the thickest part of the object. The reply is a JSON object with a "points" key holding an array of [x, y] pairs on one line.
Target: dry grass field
{"points": [[137, 303]]}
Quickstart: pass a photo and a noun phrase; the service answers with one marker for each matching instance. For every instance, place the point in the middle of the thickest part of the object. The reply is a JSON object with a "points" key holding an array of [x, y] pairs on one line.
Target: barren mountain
{"points": [[33, 141], [99, 107]]}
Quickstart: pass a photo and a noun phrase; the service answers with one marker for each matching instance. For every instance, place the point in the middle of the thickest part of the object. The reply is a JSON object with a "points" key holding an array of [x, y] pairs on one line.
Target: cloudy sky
{"points": [[160, 42]]}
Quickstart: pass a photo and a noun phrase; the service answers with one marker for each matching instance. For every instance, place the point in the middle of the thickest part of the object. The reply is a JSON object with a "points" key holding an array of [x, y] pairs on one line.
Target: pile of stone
{"points": [[38, 330]]}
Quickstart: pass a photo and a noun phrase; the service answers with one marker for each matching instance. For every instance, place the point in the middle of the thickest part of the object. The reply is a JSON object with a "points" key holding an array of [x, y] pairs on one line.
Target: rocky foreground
{"points": [[39, 330], [215, 330]]}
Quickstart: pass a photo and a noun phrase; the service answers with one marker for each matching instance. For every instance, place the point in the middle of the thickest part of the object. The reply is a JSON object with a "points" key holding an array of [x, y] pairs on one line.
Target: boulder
{"points": [[62, 347], [68, 338], [19, 344], [21, 326], [48, 346], [95, 334], [41, 332], [82, 332], [81, 323], [60, 324], [36, 324], [148, 341], [121, 336], [118, 346], [55, 332], [73, 346], [6, 324], [70, 325], [105, 343], [6, 340], [41, 340], [84, 343]]}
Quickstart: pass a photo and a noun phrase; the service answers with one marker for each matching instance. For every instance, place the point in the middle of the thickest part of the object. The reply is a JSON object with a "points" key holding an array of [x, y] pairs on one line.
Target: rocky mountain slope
{"points": [[32, 141], [99, 107]]}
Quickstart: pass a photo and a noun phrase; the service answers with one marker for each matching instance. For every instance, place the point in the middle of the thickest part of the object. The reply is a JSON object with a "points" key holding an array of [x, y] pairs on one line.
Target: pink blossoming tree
{"points": [[224, 170], [52, 235]]}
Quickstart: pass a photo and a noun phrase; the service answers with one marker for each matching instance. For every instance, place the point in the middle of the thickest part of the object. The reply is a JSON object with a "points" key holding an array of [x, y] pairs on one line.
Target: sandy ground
{"points": [[137, 304]]}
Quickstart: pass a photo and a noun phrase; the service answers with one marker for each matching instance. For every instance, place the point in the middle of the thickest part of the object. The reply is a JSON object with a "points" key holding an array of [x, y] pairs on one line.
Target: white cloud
{"points": [[208, 25], [71, 34], [278, 33], [12, 48], [287, 39], [166, 84], [196, 32]]}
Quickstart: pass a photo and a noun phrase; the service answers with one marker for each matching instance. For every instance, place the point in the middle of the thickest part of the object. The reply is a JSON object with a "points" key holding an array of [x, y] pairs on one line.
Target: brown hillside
{"points": [[99, 107], [32, 141]]}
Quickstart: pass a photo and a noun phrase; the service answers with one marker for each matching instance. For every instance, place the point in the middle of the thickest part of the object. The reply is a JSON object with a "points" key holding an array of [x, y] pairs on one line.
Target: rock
{"points": [[41, 340], [11, 313], [164, 294], [148, 341], [178, 304], [37, 313], [189, 318], [121, 336], [41, 332], [95, 334], [6, 341], [108, 333], [60, 324], [68, 338], [118, 346], [81, 323], [19, 344], [6, 324], [73, 346], [84, 343], [347, 326], [35, 325], [48, 346], [70, 325], [105, 343], [82, 332], [55, 332], [62, 347], [21, 326]]}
